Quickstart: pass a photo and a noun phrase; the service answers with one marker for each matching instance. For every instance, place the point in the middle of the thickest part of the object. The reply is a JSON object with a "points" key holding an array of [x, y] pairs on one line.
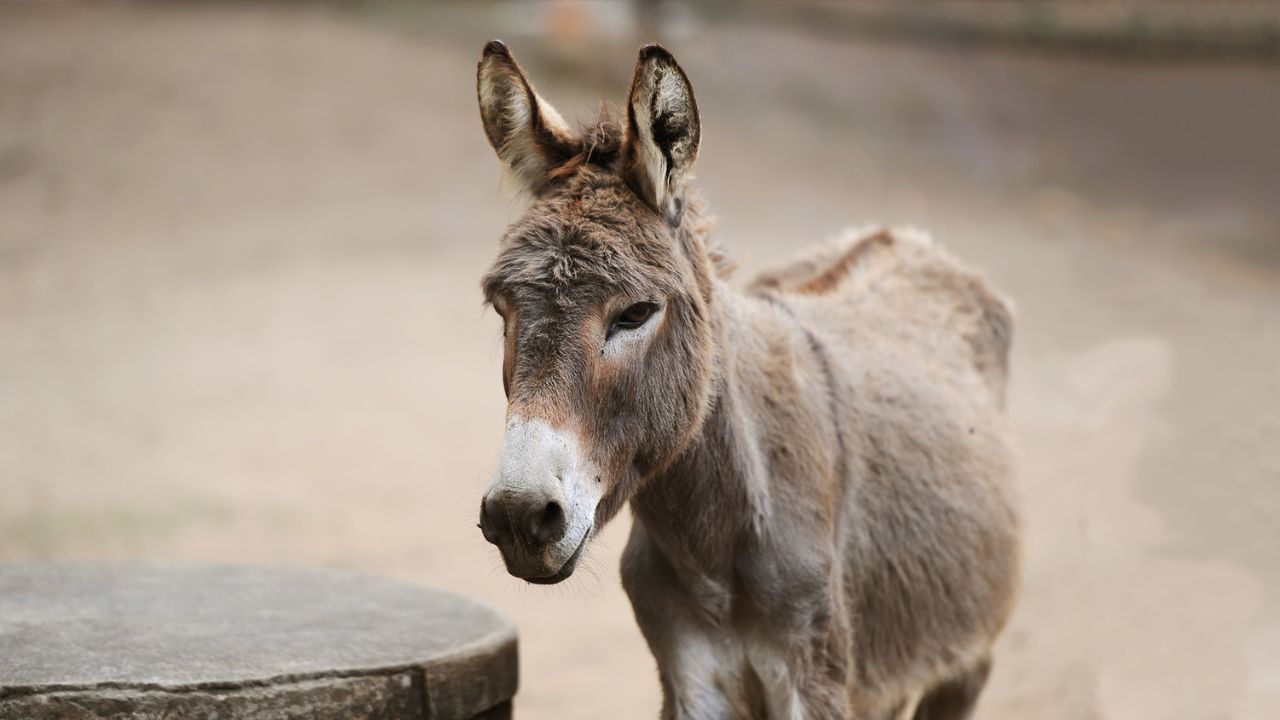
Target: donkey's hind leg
{"points": [[954, 699]]}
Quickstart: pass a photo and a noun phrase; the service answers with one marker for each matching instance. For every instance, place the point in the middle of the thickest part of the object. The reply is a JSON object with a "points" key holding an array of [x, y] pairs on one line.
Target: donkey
{"points": [[817, 465]]}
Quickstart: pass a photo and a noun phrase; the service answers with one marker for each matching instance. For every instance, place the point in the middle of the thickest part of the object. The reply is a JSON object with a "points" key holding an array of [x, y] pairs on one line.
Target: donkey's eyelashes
{"points": [[633, 317]]}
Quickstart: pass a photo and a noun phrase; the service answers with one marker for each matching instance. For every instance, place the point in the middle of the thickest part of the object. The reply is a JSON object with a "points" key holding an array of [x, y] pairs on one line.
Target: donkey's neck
{"points": [[696, 510]]}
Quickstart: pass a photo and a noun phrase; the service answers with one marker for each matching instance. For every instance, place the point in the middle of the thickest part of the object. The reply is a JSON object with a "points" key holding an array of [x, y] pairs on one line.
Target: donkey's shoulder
{"points": [[901, 279]]}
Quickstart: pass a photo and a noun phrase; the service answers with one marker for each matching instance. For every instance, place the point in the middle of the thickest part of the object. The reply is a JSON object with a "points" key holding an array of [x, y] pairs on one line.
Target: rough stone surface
{"points": [[157, 641]]}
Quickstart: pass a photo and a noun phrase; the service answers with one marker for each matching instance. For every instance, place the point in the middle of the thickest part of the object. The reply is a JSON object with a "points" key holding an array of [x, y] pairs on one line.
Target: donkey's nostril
{"points": [[490, 521], [549, 525]]}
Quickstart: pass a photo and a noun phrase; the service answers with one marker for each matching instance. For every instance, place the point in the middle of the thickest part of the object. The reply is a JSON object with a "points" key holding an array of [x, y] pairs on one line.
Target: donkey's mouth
{"points": [[565, 570]]}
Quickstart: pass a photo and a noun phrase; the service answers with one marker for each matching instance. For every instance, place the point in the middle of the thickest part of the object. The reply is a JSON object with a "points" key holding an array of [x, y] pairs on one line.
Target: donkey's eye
{"points": [[502, 316], [632, 318]]}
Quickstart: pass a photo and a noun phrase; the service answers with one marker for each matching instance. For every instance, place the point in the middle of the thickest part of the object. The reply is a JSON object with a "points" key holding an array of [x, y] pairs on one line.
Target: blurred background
{"points": [[240, 319]]}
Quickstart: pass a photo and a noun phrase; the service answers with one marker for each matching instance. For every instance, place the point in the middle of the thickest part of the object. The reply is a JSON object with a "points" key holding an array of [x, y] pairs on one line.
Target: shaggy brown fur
{"points": [[818, 466]]}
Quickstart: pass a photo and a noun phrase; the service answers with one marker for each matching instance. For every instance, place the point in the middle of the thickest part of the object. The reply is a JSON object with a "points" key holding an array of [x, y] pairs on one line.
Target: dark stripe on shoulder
{"points": [[833, 398]]}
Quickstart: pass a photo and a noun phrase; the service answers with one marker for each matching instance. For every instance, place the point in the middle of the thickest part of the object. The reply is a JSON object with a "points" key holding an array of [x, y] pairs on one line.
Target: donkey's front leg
{"points": [[701, 676], [700, 661], [797, 682], [795, 627]]}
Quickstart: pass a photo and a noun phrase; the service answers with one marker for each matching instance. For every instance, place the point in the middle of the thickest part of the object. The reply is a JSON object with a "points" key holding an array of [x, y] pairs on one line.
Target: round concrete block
{"points": [[147, 642]]}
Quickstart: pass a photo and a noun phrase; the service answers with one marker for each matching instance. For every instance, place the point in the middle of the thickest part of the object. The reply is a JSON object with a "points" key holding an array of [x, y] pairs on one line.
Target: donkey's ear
{"points": [[662, 131], [527, 133]]}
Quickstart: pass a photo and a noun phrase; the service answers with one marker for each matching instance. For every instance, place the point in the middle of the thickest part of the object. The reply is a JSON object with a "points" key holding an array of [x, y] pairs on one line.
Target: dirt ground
{"points": [[240, 317]]}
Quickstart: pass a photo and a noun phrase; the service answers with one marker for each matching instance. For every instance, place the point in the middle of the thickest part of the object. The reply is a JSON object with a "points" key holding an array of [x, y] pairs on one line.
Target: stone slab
{"points": [[222, 641]]}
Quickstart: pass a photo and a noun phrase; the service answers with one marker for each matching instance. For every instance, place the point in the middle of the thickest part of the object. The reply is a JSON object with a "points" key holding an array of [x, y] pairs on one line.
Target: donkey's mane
{"points": [[602, 139], [599, 144], [600, 148]]}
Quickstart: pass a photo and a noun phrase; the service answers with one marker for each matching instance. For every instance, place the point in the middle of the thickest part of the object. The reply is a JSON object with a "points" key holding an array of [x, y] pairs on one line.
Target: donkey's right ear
{"points": [[527, 133]]}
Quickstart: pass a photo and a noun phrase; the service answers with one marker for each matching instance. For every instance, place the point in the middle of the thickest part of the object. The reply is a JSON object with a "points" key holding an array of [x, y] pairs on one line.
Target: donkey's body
{"points": [[842, 531], [817, 465]]}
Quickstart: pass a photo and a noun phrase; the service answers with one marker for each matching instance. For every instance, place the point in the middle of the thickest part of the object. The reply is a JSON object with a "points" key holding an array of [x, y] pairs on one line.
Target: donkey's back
{"points": [[899, 287]]}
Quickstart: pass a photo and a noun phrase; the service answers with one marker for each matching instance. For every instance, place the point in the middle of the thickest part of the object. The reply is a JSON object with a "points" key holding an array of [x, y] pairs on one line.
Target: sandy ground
{"points": [[240, 318]]}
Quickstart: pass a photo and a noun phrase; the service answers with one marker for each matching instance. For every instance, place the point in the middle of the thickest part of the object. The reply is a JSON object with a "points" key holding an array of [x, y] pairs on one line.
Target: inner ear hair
{"points": [[525, 131], [663, 131]]}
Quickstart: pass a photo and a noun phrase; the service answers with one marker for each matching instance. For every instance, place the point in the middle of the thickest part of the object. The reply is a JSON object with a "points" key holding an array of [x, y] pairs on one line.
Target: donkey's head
{"points": [[603, 289]]}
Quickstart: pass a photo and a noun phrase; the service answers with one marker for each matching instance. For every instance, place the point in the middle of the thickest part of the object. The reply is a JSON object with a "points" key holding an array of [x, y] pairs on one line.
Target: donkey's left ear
{"points": [[662, 132]]}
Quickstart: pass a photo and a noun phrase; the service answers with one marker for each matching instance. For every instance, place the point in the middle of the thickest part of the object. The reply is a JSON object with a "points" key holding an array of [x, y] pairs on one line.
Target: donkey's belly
{"points": [[936, 565]]}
